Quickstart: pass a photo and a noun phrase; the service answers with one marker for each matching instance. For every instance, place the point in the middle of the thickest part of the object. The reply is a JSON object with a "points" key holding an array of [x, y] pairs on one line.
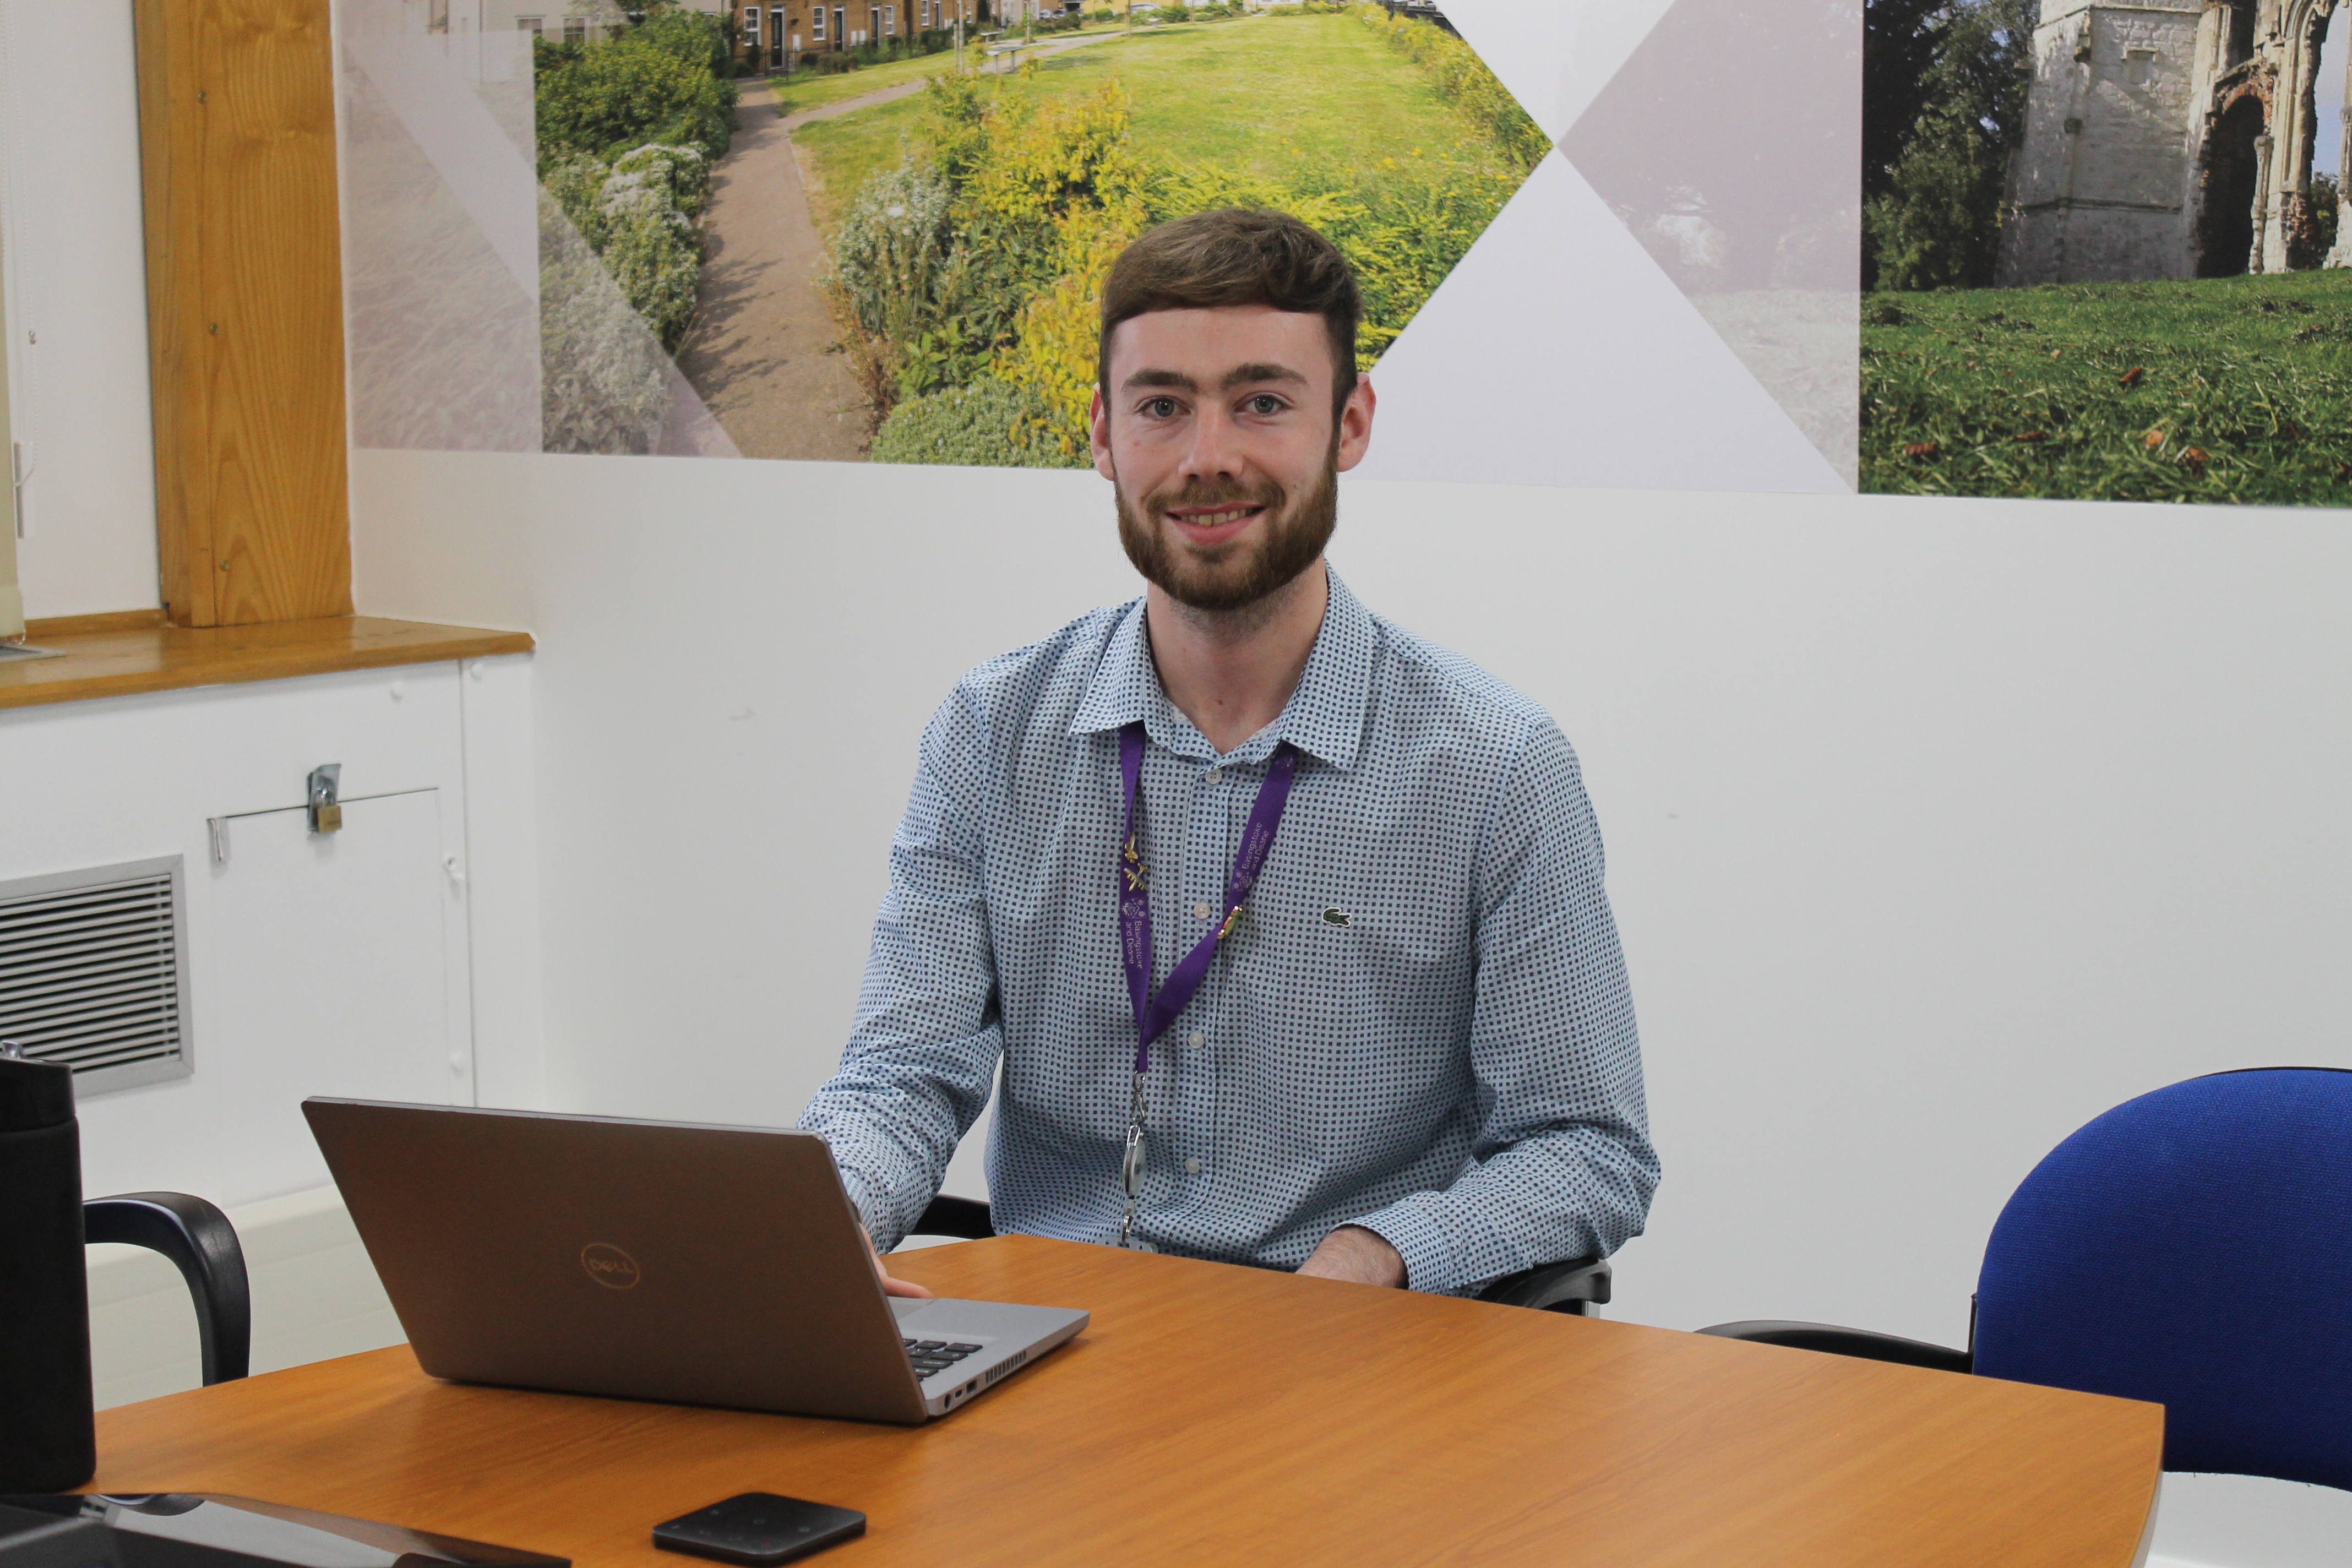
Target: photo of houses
{"points": [[877, 231], [2101, 250]]}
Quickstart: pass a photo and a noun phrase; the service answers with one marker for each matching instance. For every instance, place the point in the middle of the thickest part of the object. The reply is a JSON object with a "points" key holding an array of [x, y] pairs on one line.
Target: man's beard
{"points": [[1233, 576]]}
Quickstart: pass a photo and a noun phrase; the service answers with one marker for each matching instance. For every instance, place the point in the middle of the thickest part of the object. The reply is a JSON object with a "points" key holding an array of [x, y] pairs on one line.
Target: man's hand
{"points": [[890, 1285], [1351, 1252]]}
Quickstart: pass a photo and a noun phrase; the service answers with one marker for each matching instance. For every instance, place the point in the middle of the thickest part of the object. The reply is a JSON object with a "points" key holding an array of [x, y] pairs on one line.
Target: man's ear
{"points": [[1098, 434], [1355, 426]]}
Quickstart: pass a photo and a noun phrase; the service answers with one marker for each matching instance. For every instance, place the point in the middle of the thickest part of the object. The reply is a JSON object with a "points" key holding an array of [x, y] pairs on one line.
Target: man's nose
{"points": [[1213, 454]]}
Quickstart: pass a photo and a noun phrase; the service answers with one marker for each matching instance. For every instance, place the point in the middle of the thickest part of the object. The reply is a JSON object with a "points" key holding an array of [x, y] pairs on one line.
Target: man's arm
{"points": [[1351, 1252], [1563, 1165], [925, 1045]]}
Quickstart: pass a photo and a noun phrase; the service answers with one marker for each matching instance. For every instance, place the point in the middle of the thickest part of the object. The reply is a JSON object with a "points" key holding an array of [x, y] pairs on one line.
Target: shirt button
{"points": [[1195, 1040], [1216, 773], [1191, 1167], [1201, 911]]}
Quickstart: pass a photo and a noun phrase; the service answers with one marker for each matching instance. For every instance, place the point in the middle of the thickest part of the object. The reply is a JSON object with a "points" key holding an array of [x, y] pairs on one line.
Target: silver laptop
{"points": [[666, 1261]]}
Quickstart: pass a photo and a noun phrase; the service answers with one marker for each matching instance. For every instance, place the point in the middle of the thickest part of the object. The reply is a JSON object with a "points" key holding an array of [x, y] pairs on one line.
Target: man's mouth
{"points": [[1210, 525]]}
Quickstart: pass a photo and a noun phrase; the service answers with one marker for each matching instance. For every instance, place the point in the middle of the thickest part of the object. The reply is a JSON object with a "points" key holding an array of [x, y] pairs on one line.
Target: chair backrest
{"points": [[2194, 1247]]}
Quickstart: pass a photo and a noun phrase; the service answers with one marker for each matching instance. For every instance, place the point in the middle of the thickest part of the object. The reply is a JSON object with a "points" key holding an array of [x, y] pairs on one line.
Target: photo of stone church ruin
{"points": [[2103, 251], [2169, 139]]}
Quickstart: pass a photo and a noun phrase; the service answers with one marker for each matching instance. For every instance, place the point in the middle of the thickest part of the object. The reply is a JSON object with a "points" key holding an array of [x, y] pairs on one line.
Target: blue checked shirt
{"points": [[1419, 1025]]}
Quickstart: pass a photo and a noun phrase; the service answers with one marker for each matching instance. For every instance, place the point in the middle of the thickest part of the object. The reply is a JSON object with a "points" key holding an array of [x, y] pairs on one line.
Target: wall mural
{"points": [[1600, 245]]}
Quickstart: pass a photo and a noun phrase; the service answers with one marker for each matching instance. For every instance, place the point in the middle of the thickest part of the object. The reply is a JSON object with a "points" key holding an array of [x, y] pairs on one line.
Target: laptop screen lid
{"points": [[688, 1263]]}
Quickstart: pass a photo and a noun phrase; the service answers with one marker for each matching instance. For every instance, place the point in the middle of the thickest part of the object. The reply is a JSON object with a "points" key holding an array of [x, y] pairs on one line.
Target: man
{"points": [[1285, 928]]}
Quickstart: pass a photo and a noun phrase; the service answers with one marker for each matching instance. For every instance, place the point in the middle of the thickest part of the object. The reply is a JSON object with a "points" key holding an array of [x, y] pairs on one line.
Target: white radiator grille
{"points": [[93, 973]]}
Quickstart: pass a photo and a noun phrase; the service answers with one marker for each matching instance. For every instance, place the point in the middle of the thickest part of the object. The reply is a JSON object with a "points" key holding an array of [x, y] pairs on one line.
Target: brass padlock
{"points": [[326, 810]]}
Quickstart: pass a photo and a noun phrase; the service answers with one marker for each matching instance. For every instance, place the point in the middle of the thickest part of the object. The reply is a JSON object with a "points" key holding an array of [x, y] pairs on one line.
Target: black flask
{"points": [[48, 1439]]}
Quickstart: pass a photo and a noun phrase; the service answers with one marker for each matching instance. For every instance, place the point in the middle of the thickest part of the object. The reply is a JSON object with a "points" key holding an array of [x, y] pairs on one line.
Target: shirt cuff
{"points": [[1419, 1240], [872, 1214]]}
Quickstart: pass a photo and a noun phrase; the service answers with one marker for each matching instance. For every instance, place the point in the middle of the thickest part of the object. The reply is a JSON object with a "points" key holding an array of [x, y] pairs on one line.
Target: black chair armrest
{"points": [[1860, 1342], [964, 1218], [197, 1237], [1574, 1287]]}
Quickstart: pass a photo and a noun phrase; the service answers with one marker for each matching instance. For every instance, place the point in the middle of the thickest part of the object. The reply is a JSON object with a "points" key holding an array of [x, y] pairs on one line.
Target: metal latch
{"points": [[326, 812]]}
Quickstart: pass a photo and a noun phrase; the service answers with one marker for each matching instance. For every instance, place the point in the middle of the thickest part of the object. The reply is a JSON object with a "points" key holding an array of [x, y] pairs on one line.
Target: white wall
{"points": [[1935, 827], [78, 306]]}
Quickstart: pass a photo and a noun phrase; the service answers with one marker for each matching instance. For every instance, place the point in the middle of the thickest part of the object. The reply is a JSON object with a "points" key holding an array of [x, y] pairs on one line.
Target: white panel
{"points": [[2250, 1521], [78, 277], [1608, 378], [1934, 830], [702, 942], [332, 976], [501, 880], [1554, 55], [315, 1295], [97, 782]]}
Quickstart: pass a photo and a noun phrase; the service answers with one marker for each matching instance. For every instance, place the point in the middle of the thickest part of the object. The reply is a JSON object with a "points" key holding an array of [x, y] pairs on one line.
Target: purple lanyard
{"points": [[1154, 1014]]}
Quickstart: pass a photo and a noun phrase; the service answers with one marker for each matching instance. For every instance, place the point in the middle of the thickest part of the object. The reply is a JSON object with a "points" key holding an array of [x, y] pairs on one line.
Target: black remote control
{"points": [[760, 1528]]}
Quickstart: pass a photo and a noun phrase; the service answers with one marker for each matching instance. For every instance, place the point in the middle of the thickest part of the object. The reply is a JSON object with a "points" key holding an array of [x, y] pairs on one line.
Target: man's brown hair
{"points": [[1237, 256]]}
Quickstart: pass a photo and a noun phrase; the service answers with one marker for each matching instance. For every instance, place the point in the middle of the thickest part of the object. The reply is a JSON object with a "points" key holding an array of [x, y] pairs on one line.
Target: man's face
{"points": [[1217, 429]]}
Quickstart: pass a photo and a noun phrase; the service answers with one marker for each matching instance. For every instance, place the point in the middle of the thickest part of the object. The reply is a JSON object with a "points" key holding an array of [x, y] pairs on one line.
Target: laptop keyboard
{"points": [[934, 1355]]}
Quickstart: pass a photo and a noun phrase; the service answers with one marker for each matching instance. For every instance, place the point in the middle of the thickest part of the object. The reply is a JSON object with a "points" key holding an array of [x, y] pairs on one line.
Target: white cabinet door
{"points": [[339, 969]]}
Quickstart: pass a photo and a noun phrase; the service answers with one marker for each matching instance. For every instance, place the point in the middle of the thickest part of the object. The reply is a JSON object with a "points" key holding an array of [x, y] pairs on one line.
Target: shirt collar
{"points": [[1324, 718]]}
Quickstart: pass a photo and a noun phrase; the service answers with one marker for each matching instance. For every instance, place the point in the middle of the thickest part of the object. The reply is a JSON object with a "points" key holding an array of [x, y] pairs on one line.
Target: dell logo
{"points": [[609, 1265]]}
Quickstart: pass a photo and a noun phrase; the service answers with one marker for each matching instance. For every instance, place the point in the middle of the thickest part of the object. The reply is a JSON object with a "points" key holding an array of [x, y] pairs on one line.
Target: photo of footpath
{"points": [[901, 262]]}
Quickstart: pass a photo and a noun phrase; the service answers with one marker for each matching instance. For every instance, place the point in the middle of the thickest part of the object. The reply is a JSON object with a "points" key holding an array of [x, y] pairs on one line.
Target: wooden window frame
{"points": [[237, 128]]}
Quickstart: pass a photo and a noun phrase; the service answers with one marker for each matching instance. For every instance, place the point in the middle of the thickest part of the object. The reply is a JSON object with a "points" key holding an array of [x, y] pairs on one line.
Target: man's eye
{"points": [[1161, 408], [1265, 404]]}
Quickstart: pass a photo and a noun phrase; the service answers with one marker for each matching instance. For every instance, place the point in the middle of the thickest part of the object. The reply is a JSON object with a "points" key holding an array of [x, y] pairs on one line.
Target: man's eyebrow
{"points": [[1175, 379], [1247, 374]]}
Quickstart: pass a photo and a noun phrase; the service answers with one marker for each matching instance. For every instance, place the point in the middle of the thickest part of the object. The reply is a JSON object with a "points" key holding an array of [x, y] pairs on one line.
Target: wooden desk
{"points": [[1216, 1416]]}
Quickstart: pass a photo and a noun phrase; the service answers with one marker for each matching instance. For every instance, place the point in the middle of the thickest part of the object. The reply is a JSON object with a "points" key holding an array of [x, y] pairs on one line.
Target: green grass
{"points": [[2243, 390], [1266, 95], [807, 89], [836, 155], [1269, 95]]}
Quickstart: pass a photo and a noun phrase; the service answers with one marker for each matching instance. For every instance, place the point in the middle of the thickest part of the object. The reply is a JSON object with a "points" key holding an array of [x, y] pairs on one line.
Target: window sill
{"points": [[104, 658]]}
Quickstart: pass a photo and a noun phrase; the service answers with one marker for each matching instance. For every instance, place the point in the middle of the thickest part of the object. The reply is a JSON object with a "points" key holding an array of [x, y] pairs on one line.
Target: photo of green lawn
{"points": [[967, 226], [900, 260], [895, 254], [1266, 98], [2221, 389]]}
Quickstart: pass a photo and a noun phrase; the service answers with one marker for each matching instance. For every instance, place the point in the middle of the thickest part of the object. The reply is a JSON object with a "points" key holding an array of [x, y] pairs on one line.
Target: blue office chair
{"points": [[1574, 1287], [2193, 1247]]}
